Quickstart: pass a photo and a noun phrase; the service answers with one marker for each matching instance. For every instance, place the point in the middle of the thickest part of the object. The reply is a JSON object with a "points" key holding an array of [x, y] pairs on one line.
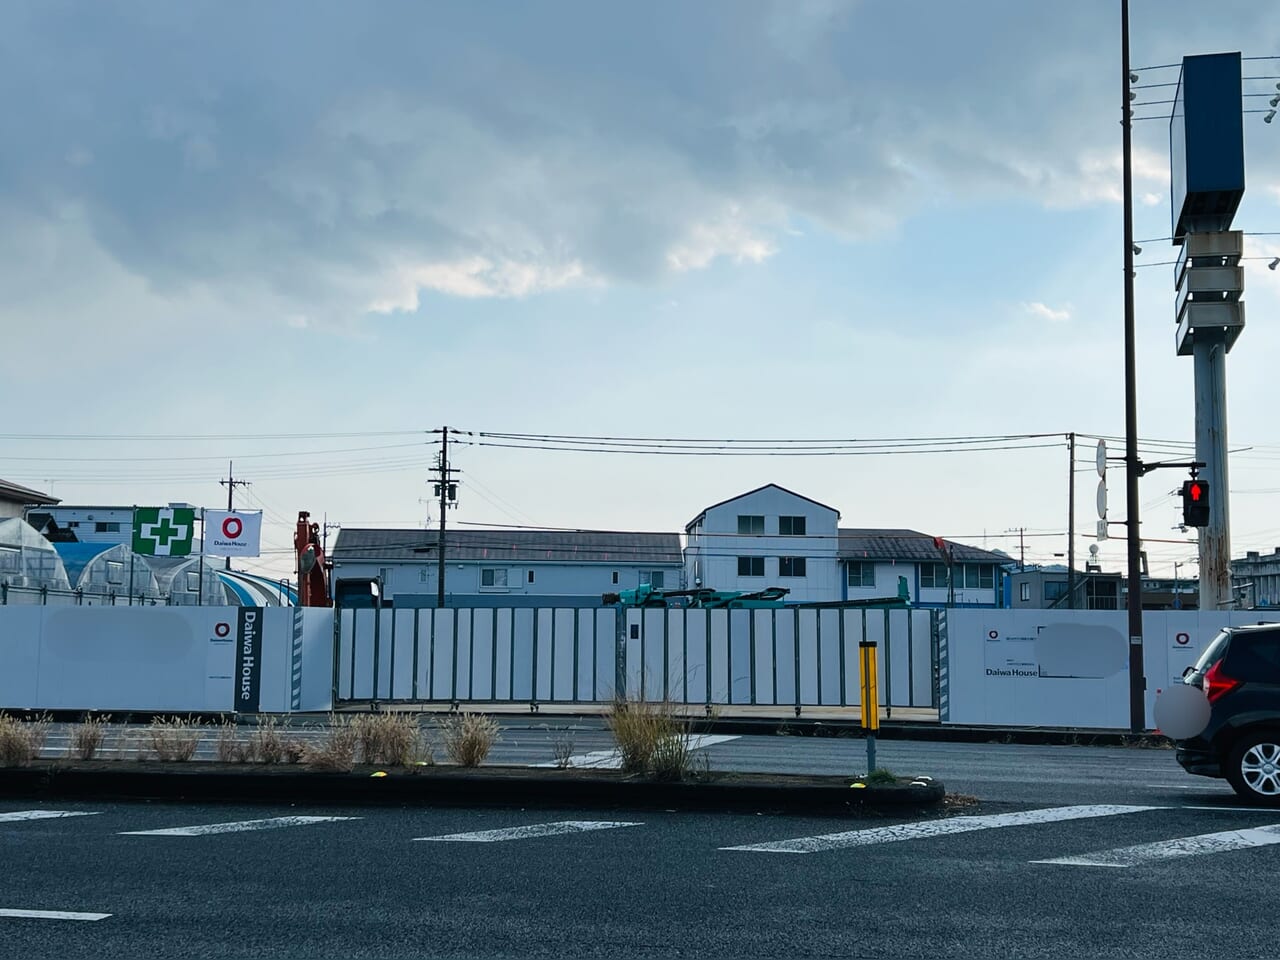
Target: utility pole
{"points": [[1137, 680], [1071, 522], [447, 491], [230, 483]]}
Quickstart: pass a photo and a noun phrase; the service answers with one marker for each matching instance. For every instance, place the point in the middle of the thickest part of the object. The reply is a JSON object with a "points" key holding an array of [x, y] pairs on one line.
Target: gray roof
{"points": [[15, 493], [510, 546], [908, 545]]}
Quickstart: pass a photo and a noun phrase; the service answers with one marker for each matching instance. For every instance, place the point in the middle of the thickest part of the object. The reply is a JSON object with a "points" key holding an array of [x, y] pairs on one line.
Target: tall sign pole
{"points": [[1137, 680]]}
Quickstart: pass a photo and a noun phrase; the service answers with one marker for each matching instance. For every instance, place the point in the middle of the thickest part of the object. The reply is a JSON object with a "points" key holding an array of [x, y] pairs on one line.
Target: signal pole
{"points": [[230, 483], [447, 491]]}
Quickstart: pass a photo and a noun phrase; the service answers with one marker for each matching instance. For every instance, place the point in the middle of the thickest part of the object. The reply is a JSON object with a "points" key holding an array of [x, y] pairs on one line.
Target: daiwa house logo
{"points": [[163, 531]]}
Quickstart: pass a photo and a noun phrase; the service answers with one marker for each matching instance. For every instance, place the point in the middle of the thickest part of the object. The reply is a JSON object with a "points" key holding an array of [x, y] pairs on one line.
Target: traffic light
{"points": [[1195, 503]]}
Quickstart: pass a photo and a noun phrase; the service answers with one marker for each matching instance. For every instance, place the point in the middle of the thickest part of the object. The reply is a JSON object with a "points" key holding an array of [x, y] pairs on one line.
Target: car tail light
{"points": [[1217, 683]]}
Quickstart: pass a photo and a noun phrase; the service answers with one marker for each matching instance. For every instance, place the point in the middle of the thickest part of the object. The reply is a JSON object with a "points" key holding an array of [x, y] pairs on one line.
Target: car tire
{"points": [[1253, 767]]}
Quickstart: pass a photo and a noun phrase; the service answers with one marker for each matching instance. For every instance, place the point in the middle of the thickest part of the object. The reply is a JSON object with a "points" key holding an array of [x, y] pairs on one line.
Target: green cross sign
{"points": [[163, 531]]}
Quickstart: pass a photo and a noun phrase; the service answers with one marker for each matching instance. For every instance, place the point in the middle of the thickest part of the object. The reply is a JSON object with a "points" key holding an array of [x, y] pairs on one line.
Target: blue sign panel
{"points": [[1206, 144]]}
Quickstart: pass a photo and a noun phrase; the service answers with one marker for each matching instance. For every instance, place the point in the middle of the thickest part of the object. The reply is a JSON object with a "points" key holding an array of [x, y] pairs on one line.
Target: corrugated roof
{"points": [[909, 545], [512, 546], [16, 493]]}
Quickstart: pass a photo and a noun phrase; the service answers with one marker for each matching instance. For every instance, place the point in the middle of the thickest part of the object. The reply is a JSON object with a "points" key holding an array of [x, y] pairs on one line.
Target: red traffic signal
{"points": [[1195, 503]]}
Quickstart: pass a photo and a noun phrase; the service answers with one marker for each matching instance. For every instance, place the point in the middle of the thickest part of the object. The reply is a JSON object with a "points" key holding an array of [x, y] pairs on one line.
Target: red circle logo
{"points": [[221, 629], [232, 527]]}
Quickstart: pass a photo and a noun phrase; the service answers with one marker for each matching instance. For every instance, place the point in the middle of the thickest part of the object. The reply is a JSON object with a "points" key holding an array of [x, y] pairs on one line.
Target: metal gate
{"points": [[788, 657]]}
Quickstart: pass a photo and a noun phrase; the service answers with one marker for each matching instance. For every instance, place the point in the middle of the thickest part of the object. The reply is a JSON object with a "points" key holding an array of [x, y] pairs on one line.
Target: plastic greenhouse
{"points": [[102, 571], [28, 560], [183, 581]]}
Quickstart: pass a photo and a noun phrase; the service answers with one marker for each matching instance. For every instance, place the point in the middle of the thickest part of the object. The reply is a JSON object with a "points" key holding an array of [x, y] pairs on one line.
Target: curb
{"points": [[492, 786]]}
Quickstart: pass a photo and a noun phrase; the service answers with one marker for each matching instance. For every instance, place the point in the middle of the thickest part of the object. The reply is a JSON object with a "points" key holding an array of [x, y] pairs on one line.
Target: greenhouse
{"points": [[186, 581], [103, 572], [28, 562]]}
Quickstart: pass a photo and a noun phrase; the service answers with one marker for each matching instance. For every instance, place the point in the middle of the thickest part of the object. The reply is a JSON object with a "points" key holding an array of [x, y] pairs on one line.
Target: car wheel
{"points": [[1253, 768]]}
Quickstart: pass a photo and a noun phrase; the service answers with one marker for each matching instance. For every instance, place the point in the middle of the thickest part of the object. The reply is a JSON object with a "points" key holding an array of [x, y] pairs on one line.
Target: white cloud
{"points": [[728, 236], [1044, 312], [471, 278]]}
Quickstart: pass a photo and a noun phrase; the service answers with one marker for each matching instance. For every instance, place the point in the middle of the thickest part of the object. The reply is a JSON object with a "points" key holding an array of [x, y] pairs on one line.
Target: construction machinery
{"points": [[313, 581], [646, 595]]}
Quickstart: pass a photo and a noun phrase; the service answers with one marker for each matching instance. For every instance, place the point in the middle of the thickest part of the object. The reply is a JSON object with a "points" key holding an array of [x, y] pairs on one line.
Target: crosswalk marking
{"points": [[12, 816], [612, 759], [534, 830], [206, 829], [937, 828], [52, 915], [1183, 847]]}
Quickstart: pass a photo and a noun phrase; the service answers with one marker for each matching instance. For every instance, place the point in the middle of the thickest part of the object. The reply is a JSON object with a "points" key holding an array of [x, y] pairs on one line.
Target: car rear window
{"points": [[1255, 656], [1213, 652]]}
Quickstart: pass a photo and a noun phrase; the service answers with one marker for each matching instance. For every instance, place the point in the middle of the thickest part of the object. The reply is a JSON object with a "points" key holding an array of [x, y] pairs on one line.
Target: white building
{"points": [[84, 524], [14, 499], [767, 537]]}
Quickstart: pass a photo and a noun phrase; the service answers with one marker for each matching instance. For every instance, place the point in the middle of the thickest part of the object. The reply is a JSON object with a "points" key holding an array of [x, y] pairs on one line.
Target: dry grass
{"points": [[230, 747], [652, 739], [87, 737], [337, 751], [562, 748], [391, 738], [469, 737], [21, 740], [173, 739]]}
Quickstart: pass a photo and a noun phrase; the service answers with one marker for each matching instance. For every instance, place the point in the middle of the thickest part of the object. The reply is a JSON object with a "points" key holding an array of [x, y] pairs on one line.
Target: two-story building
{"points": [[767, 537]]}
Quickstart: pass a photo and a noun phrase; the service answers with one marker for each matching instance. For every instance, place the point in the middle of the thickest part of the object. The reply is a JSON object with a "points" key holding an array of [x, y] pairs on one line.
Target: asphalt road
{"points": [[1159, 864]]}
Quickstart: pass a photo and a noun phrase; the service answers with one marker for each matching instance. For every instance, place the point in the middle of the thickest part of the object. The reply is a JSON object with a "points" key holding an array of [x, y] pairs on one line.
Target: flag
{"points": [[163, 531], [231, 534]]}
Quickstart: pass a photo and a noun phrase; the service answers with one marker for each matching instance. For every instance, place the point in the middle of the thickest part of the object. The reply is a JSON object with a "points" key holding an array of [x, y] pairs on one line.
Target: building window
{"points": [[1024, 592], [101, 527], [615, 576], [653, 578], [424, 573], [493, 577], [751, 566], [531, 576], [791, 526], [115, 572], [933, 574], [791, 566], [750, 525], [862, 574], [1054, 590], [976, 576]]}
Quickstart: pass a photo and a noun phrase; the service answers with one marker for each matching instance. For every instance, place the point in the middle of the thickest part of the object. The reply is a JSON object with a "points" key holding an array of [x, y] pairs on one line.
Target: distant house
{"points": [[766, 537], [14, 499], [938, 572], [1047, 588], [507, 568], [1256, 579]]}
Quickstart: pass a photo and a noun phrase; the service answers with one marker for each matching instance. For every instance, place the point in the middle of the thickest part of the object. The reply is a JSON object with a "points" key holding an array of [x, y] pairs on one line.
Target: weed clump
{"points": [[469, 737], [651, 739], [391, 738], [337, 750], [88, 736], [174, 739], [21, 740]]}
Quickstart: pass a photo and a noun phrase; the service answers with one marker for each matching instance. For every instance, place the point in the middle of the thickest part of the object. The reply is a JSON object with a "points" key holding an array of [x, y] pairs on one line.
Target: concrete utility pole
{"points": [[230, 483], [1071, 522], [447, 490], [1132, 467]]}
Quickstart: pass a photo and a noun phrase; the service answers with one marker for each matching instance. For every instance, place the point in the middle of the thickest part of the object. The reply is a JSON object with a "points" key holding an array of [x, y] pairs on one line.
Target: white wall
{"points": [[87, 518], [147, 659], [1066, 668]]}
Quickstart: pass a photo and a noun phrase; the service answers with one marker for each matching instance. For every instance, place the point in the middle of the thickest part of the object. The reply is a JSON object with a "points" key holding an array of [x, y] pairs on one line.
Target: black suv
{"points": [[1240, 675]]}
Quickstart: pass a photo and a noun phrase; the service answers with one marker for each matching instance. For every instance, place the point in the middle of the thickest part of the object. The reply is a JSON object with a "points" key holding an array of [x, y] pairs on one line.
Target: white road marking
{"points": [[14, 815], [535, 830], [1270, 810], [937, 828], [1183, 847], [52, 915], [272, 823], [612, 759]]}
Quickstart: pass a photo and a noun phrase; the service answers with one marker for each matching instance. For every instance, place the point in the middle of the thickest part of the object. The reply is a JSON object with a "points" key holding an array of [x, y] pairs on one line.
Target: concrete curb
{"points": [[451, 786]]}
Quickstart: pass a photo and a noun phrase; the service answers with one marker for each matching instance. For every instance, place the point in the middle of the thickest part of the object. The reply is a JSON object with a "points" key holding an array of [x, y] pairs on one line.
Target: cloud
{"points": [[1044, 312], [344, 161]]}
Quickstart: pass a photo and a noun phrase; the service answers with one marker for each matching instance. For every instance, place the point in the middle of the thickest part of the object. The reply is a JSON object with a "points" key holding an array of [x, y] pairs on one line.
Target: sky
{"points": [[304, 237]]}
